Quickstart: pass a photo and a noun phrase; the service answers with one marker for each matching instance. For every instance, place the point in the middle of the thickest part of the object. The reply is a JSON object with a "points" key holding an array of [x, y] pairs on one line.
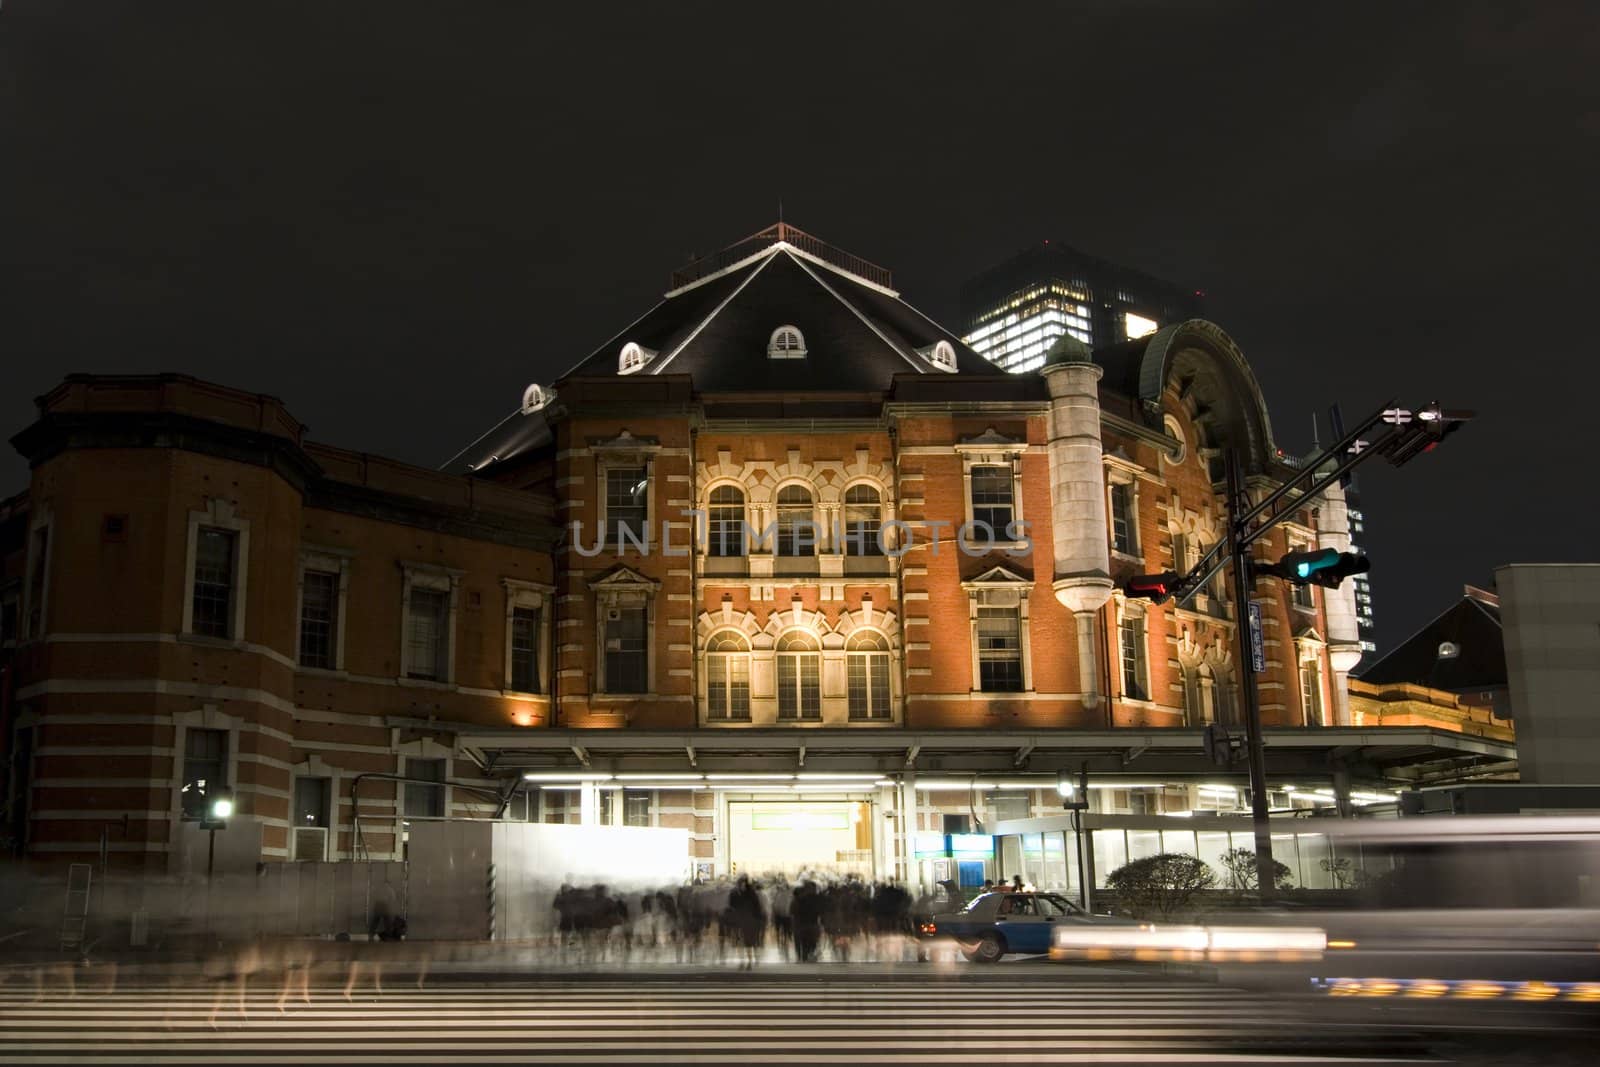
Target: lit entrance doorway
{"points": [[791, 837]]}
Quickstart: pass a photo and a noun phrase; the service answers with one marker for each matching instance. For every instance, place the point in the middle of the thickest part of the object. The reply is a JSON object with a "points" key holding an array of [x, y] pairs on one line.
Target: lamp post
{"points": [[215, 817], [1075, 798], [218, 808]]}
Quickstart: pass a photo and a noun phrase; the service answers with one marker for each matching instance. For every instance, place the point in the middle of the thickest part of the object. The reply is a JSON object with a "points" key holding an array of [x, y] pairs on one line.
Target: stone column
{"points": [[1078, 499], [1339, 605]]}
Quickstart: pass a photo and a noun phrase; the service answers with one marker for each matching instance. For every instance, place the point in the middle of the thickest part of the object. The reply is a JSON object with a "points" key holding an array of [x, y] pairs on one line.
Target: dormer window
{"points": [[941, 354], [634, 356], [787, 342], [535, 397]]}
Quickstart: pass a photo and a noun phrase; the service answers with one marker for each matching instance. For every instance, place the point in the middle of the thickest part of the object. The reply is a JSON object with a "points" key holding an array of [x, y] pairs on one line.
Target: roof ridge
{"points": [[692, 334], [919, 368]]}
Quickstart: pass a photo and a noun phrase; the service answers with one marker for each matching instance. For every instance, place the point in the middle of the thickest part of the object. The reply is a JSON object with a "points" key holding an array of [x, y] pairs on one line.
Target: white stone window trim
{"points": [[207, 717], [623, 456], [763, 638], [1119, 472], [1301, 540], [999, 588], [627, 589], [313, 766], [633, 358], [704, 655], [537, 595], [222, 515], [440, 579], [328, 560], [819, 544], [1174, 428], [1129, 609], [817, 650], [890, 652], [702, 535], [778, 349], [886, 512], [994, 454], [44, 520], [1309, 655]]}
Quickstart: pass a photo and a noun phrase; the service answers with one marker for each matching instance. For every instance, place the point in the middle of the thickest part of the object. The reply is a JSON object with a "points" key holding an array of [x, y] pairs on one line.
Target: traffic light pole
{"points": [[1409, 435], [1260, 811]]}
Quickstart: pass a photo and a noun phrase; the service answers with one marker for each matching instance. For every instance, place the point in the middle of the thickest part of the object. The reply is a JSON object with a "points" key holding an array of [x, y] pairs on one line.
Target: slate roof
{"points": [[714, 328], [1473, 624], [858, 335]]}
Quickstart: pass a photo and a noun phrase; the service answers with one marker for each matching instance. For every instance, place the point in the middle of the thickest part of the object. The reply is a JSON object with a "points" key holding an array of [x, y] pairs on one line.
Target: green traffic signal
{"points": [[1326, 567]]}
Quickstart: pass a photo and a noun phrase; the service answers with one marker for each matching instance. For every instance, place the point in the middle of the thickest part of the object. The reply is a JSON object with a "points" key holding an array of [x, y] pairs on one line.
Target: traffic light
{"points": [[1423, 432], [1327, 567], [1157, 588]]}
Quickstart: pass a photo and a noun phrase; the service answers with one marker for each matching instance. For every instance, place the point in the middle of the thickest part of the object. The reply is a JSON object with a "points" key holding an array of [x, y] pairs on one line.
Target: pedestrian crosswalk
{"points": [[691, 1018]]}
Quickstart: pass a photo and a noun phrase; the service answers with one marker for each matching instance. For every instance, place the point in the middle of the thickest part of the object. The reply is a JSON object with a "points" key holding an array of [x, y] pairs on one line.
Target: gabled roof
{"points": [[716, 328], [1472, 624]]}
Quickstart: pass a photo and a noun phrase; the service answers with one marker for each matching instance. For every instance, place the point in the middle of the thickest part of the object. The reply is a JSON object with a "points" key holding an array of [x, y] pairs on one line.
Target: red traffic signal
{"points": [[1157, 588]]}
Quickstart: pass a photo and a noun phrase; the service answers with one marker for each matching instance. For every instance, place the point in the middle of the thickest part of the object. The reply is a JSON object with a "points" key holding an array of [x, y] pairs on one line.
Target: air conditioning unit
{"points": [[310, 844]]}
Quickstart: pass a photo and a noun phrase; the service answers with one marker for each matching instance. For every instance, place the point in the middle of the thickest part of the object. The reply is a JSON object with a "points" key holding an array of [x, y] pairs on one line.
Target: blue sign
{"points": [[972, 844], [1258, 645]]}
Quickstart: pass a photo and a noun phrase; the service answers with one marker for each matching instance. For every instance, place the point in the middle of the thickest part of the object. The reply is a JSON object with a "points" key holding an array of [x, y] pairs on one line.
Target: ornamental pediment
{"points": [[622, 578], [997, 575], [625, 442], [990, 440]]}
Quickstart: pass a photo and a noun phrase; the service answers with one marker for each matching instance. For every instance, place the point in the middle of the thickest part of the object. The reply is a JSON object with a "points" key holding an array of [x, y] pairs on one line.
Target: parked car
{"points": [[997, 924]]}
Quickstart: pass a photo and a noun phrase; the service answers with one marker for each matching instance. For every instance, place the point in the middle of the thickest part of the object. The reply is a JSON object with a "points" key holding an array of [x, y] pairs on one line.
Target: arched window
{"points": [[786, 342], [868, 656], [797, 528], [633, 356], [941, 354], [727, 677], [535, 397], [725, 522], [863, 521], [799, 677]]}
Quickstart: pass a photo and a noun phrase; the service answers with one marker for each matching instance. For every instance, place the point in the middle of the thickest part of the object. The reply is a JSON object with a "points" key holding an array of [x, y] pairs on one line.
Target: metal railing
{"points": [[706, 266]]}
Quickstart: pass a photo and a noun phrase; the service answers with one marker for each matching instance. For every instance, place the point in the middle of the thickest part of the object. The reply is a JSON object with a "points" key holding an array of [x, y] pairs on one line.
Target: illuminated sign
{"points": [[972, 844], [931, 846], [803, 819]]}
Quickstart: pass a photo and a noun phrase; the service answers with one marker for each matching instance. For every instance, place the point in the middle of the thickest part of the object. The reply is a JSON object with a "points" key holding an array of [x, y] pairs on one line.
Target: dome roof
{"points": [[1067, 349]]}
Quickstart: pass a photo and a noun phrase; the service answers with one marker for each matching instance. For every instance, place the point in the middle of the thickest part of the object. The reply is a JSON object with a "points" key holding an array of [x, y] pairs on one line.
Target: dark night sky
{"points": [[394, 216]]}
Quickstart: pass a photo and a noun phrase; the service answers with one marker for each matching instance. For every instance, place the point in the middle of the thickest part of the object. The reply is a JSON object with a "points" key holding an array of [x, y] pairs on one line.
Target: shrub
{"points": [[1240, 863], [1160, 884]]}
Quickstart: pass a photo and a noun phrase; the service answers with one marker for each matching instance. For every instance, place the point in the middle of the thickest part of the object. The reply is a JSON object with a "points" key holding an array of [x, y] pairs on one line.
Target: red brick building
{"points": [[782, 547]]}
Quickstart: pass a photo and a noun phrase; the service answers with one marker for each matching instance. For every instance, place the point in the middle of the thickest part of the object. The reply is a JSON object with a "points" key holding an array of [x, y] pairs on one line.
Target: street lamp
{"points": [[218, 808]]}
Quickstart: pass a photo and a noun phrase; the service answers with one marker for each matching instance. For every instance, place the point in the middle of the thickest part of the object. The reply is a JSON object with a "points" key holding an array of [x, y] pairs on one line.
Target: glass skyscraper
{"points": [[1014, 312]]}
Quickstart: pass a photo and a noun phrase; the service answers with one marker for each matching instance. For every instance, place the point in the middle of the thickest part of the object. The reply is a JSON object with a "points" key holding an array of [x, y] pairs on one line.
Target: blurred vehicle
{"points": [[944, 899], [1454, 910], [997, 924]]}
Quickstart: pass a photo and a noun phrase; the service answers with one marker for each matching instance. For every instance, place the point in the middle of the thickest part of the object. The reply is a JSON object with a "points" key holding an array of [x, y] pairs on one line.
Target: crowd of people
{"points": [[812, 918]]}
